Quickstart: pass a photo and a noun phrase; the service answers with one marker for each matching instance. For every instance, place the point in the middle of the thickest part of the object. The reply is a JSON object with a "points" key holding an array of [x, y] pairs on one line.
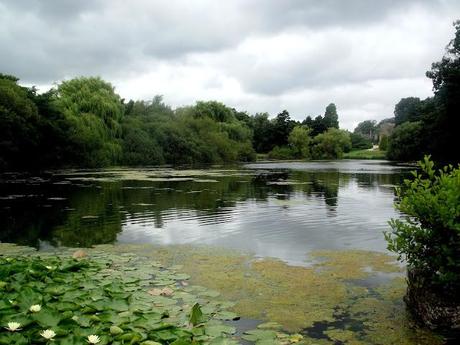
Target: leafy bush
{"points": [[405, 144], [360, 142], [299, 140], [331, 144], [283, 152], [429, 236]]}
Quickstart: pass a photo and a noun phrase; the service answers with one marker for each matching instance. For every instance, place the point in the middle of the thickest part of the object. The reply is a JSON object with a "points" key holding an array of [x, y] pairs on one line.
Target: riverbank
{"points": [[356, 154], [365, 154]]}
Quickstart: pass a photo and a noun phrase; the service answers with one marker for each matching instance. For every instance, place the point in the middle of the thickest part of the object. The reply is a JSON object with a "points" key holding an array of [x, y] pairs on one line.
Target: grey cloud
{"points": [[48, 40]]}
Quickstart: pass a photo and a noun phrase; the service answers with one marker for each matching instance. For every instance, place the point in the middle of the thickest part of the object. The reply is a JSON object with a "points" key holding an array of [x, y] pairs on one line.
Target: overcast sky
{"points": [[254, 55]]}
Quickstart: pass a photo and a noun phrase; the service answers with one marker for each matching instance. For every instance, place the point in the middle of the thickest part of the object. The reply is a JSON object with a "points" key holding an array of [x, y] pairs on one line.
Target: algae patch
{"points": [[322, 296]]}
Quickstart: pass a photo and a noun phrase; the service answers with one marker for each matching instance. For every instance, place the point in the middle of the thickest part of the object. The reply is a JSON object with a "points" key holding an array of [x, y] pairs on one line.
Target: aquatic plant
{"points": [[103, 301]]}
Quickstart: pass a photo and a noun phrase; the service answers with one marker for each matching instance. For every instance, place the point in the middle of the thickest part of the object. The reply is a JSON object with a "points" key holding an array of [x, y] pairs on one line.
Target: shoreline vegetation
{"points": [[84, 123]]}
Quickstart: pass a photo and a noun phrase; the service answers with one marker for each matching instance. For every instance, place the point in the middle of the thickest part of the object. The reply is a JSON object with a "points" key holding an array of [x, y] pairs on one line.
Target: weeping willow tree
{"points": [[94, 112]]}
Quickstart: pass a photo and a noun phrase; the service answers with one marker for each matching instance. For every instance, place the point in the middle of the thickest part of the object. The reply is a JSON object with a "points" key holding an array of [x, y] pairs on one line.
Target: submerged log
{"points": [[435, 308]]}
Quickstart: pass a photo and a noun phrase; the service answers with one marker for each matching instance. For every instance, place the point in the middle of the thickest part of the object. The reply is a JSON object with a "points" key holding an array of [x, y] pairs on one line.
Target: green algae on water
{"points": [[328, 294]]}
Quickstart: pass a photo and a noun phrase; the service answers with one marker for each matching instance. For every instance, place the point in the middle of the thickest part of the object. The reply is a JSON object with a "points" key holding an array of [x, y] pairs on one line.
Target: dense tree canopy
{"points": [[407, 109], [83, 122]]}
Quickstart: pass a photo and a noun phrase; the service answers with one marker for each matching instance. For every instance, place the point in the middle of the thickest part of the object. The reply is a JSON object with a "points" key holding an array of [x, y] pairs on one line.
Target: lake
{"points": [[280, 210], [296, 243]]}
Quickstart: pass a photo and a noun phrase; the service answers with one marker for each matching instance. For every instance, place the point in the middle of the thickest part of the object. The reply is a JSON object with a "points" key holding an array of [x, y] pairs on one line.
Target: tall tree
{"points": [[368, 129], [19, 117], [445, 122], [299, 140], [95, 112], [331, 119], [282, 126], [407, 109]]}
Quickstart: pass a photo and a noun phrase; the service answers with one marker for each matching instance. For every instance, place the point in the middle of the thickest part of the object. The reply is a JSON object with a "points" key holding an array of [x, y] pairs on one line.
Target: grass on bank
{"points": [[365, 154], [355, 154]]}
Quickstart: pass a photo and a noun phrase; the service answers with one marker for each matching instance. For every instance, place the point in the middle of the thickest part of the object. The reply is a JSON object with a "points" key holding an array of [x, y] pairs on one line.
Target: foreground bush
{"points": [[429, 240]]}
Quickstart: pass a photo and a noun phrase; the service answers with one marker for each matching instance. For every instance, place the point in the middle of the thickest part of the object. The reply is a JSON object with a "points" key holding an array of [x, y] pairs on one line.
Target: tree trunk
{"points": [[433, 309]]}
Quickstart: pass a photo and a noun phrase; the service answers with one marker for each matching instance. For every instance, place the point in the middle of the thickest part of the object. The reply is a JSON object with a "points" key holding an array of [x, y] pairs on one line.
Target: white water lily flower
{"points": [[48, 334], [13, 326], [35, 308], [93, 339]]}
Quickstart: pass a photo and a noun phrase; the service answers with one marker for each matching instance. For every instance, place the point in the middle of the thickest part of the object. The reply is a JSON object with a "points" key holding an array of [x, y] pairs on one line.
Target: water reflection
{"points": [[279, 210]]}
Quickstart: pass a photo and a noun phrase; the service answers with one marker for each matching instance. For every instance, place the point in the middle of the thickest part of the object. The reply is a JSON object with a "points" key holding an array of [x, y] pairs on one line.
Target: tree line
{"points": [[83, 122]]}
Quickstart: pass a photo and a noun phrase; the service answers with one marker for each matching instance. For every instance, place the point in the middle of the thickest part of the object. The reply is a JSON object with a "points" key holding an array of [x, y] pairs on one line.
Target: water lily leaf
{"points": [[217, 330], [47, 318], [13, 338], [259, 334], [223, 341], [227, 315], [118, 305]]}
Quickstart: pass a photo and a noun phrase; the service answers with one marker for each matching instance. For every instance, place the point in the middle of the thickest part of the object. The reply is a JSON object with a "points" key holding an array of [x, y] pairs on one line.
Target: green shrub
{"points": [[405, 143], [283, 152], [429, 236], [360, 142]]}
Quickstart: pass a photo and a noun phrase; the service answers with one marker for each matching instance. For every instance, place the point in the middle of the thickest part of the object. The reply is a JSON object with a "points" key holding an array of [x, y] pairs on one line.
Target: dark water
{"points": [[280, 210]]}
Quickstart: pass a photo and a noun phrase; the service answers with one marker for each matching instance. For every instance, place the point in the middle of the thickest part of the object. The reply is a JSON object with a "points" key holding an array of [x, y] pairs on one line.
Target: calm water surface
{"points": [[280, 210]]}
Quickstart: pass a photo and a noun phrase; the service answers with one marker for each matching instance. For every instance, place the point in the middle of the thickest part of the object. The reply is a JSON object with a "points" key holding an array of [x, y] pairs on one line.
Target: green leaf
{"points": [[47, 318], [196, 315]]}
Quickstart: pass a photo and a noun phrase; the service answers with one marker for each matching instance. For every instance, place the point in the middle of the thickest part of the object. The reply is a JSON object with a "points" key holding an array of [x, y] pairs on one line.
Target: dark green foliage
{"points": [[429, 236], [263, 133], [32, 129], [405, 142], [408, 110], [321, 124], [331, 119], [282, 127], [359, 142], [18, 127]]}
